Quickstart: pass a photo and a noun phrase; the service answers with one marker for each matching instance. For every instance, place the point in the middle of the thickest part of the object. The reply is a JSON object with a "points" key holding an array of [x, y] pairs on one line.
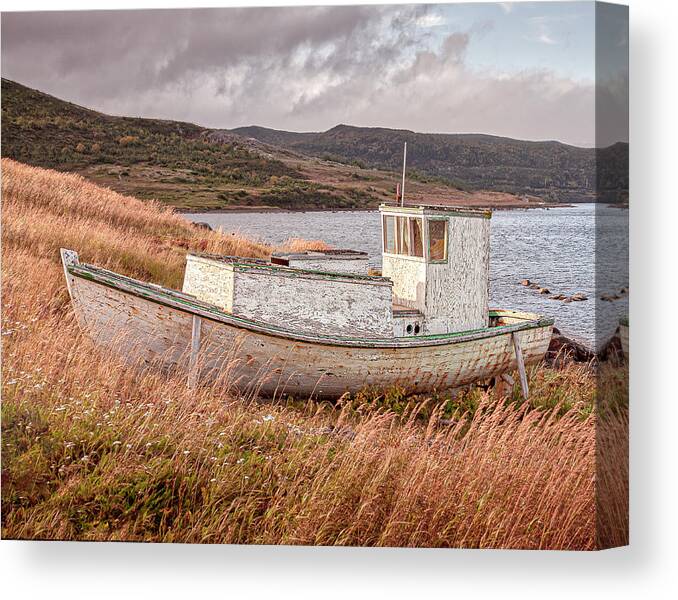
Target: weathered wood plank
{"points": [[146, 331], [453, 294], [304, 300], [68, 257], [511, 320]]}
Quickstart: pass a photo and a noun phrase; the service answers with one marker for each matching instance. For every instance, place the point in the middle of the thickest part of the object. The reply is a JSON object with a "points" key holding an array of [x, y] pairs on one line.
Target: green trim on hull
{"points": [[183, 302]]}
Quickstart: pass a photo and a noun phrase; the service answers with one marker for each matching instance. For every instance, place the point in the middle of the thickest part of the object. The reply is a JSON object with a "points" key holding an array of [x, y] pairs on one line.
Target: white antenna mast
{"points": [[402, 190]]}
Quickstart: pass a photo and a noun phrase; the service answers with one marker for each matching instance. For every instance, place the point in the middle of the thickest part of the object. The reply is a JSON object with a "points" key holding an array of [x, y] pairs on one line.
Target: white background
{"points": [[647, 568]]}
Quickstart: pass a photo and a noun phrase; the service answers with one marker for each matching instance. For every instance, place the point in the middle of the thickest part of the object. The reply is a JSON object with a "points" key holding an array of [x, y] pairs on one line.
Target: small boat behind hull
{"points": [[151, 325]]}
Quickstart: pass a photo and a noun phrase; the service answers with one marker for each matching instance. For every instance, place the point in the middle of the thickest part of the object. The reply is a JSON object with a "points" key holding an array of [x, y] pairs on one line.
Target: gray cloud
{"points": [[305, 68]]}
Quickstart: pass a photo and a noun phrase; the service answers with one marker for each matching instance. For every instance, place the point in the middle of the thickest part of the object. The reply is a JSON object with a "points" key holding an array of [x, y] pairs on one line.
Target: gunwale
{"points": [[185, 303]]}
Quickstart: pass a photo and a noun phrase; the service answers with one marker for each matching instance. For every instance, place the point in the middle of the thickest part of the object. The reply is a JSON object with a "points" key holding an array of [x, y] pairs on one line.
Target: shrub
{"points": [[128, 140]]}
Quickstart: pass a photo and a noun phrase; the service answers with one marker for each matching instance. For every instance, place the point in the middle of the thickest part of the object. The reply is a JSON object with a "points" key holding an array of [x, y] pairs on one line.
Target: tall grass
{"points": [[96, 450], [44, 210]]}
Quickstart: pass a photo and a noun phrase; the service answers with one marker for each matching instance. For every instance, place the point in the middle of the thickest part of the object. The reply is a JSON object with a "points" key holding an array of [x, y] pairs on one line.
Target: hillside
{"points": [[196, 169], [176, 162], [551, 170]]}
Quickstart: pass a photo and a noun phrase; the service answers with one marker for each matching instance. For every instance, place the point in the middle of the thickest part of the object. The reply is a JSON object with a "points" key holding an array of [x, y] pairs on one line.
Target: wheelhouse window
{"points": [[437, 240], [417, 237], [389, 228], [403, 235]]}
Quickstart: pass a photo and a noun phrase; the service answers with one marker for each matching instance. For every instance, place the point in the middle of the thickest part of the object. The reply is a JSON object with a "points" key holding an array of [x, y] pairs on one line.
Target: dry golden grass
{"points": [[44, 210], [95, 450]]}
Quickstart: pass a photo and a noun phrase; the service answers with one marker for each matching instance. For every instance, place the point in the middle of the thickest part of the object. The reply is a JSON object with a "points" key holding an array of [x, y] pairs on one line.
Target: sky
{"points": [[523, 70]]}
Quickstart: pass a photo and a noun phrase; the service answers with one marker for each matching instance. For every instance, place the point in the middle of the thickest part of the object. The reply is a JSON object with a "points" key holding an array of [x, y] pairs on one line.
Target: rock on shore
{"points": [[563, 348], [578, 297]]}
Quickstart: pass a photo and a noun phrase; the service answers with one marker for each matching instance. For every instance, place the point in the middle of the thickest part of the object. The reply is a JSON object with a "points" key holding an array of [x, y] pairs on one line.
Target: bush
{"points": [[128, 140]]}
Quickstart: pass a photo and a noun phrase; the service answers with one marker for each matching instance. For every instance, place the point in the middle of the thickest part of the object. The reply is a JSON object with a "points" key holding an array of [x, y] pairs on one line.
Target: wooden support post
{"points": [[195, 348], [521, 364]]}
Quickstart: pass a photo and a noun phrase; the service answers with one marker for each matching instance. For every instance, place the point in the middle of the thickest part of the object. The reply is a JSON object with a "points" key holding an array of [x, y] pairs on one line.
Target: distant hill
{"points": [[195, 168], [187, 166], [147, 157], [551, 170]]}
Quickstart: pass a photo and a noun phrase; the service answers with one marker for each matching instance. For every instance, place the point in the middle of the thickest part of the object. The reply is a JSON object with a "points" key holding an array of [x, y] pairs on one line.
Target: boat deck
{"points": [[400, 311]]}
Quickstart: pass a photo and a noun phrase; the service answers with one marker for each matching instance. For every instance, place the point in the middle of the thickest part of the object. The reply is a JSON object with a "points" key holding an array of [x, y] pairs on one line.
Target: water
{"points": [[553, 247]]}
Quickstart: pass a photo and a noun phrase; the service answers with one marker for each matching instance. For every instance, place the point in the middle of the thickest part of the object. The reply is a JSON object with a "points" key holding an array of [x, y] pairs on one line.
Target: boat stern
{"points": [[69, 258]]}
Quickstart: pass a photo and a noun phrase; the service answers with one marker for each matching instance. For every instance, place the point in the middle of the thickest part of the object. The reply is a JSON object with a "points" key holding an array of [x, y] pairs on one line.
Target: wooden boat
{"points": [[316, 324], [152, 325]]}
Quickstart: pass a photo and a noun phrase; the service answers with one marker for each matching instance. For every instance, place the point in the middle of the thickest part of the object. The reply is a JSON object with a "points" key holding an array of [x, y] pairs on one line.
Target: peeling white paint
{"points": [[452, 295], [333, 261], [336, 266], [457, 292], [340, 307], [408, 326], [210, 281], [147, 333], [302, 300], [409, 280]]}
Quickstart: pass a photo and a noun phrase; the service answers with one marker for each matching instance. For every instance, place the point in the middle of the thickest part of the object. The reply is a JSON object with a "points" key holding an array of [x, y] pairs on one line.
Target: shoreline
{"points": [[276, 209]]}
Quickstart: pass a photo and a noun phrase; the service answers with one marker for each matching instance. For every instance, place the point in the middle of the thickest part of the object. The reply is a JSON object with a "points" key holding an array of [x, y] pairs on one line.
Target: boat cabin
{"points": [[304, 300], [438, 258], [435, 280]]}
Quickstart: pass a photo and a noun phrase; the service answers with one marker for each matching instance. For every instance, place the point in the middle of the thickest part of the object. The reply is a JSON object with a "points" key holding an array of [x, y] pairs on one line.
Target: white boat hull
{"points": [[152, 326]]}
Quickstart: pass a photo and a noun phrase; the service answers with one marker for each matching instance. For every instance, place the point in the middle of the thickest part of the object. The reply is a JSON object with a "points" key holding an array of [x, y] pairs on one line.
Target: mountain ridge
{"points": [[550, 169], [348, 126]]}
